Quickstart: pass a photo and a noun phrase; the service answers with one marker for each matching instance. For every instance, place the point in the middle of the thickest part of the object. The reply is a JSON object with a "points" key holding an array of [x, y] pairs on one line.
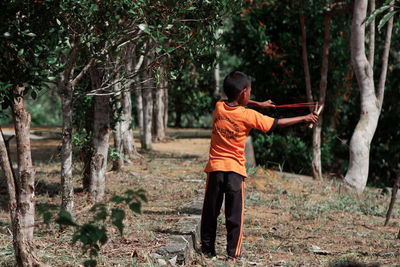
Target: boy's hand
{"points": [[312, 117], [267, 104]]}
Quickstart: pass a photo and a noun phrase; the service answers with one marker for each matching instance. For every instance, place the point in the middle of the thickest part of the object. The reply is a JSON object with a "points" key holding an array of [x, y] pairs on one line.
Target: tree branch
{"points": [[303, 38], [83, 71], [371, 48], [7, 169], [385, 59]]}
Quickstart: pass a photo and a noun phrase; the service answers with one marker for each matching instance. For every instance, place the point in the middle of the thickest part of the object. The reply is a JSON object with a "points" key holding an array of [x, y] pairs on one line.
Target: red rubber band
{"points": [[298, 105]]}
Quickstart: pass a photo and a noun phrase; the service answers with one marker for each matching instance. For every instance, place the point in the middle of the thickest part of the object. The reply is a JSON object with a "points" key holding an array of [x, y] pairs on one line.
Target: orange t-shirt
{"points": [[230, 128]]}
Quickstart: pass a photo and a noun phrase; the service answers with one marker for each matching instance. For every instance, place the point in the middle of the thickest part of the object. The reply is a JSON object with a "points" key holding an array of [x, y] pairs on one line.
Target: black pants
{"points": [[232, 185]]}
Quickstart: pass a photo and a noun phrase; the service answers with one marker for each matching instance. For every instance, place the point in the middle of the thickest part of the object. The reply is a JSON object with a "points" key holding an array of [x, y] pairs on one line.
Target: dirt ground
{"points": [[288, 221]]}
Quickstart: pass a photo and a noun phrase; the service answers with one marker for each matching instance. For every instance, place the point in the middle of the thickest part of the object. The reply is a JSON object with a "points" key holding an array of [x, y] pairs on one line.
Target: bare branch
{"points": [[83, 71], [371, 48], [303, 38], [385, 59]]}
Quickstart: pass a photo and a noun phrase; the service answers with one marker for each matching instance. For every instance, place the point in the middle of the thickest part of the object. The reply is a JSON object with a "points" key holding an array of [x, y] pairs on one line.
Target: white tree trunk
{"points": [[165, 98], [159, 109], [24, 208], [118, 160], [100, 148], [100, 142], [316, 162], [127, 135], [304, 53], [147, 94], [371, 49], [139, 108], [357, 174], [128, 142], [67, 184], [217, 89]]}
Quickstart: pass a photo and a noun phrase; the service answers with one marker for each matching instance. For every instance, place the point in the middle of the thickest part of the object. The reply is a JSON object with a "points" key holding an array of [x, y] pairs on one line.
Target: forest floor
{"points": [[288, 221]]}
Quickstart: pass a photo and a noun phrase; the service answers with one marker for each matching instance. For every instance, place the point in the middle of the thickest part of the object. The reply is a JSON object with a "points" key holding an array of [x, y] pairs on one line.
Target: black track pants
{"points": [[232, 185]]}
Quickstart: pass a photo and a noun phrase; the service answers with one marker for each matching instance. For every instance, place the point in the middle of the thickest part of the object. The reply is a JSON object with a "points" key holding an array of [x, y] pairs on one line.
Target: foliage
{"points": [[264, 39], [47, 102], [186, 37], [81, 141], [27, 46], [384, 148], [386, 17], [93, 234], [113, 153], [282, 151], [192, 95]]}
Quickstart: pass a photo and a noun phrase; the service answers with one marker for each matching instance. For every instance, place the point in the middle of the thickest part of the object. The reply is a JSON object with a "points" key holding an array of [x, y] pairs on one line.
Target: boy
{"points": [[225, 168]]}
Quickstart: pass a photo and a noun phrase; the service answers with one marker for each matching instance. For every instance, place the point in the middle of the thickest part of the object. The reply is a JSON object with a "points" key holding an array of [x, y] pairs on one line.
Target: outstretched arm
{"points": [[265, 104], [312, 117]]}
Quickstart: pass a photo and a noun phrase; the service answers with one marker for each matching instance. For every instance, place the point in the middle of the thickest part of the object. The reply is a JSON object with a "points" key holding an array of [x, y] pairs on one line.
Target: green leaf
{"points": [[6, 86], [117, 199], [101, 216], [94, 7], [103, 236], [144, 28], [129, 193], [136, 207], [31, 34], [52, 60], [143, 197], [21, 52], [117, 216], [7, 34], [90, 263], [33, 94], [47, 217], [65, 218], [376, 12], [385, 19]]}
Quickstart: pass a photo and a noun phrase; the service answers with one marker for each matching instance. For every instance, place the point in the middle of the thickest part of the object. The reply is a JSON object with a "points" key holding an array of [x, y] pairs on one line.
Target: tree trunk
{"points": [[371, 50], [316, 162], [127, 135], [305, 55], [100, 141], [165, 98], [139, 97], [159, 129], [147, 108], [23, 209], [118, 160], [87, 153], [12, 188], [128, 142], [67, 183], [139, 108], [393, 198], [357, 174], [66, 87]]}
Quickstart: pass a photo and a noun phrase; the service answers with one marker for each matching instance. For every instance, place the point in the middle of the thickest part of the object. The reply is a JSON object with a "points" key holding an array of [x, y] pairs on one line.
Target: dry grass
{"points": [[283, 217]]}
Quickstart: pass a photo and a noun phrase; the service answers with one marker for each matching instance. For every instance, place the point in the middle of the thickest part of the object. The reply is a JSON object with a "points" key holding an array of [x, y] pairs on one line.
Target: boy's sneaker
{"points": [[210, 253], [230, 261]]}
